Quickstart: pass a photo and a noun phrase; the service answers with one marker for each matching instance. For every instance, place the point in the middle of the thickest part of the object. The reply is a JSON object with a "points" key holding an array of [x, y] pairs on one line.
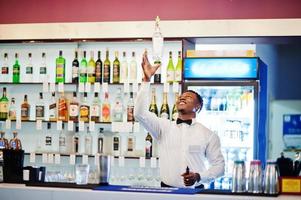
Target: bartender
{"points": [[185, 145]]}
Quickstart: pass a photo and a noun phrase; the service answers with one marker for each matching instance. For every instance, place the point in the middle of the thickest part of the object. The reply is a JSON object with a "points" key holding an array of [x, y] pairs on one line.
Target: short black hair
{"points": [[200, 99]]}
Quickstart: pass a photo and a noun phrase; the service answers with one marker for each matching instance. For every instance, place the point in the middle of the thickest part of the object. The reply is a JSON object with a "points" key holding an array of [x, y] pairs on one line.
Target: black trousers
{"points": [[197, 187]]}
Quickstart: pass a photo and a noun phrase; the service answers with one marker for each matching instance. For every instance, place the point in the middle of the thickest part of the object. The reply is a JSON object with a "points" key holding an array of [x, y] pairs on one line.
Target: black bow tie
{"points": [[179, 121]]}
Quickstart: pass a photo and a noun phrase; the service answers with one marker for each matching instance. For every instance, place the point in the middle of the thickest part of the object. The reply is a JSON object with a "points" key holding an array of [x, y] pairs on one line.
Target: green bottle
{"points": [[178, 72], [83, 69], [4, 106], [170, 74], [16, 70], [60, 68], [116, 69]]}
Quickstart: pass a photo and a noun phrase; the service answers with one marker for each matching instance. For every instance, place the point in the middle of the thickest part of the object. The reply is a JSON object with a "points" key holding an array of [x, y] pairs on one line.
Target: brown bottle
{"points": [[3, 141], [25, 109], [15, 142], [62, 108]]}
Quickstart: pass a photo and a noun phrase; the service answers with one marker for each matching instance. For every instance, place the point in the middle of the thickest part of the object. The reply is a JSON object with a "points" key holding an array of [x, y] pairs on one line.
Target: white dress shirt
{"points": [[180, 145]]}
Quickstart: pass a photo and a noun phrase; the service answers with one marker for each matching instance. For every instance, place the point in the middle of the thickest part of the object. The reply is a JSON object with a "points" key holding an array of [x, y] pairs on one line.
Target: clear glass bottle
{"points": [[118, 107], [3, 141], [95, 109], [63, 141], [53, 108], [91, 68], [75, 141], [43, 69], [88, 143], [15, 142], [40, 108], [84, 110], [83, 69], [28, 76], [100, 141], [170, 73], [16, 70], [130, 109], [5, 70], [73, 108], [157, 41], [75, 67], [106, 109], [25, 109], [116, 144], [124, 69], [48, 139], [12, 110], [133, 69], [116, 69], [60, 68], [178, 70], [4, 106]]}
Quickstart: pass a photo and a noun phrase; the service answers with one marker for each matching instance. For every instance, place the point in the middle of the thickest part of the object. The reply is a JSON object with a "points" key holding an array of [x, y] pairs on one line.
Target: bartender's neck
{"points": [[186, 116]]}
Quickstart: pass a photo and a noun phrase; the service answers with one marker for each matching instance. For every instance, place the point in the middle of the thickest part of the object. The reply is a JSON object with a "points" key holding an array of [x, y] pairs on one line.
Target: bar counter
{"points": [[20, 191]]}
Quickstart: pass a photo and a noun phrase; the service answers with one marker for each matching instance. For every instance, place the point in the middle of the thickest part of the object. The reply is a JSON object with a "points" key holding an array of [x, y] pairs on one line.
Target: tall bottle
{"points": [[116, 69], [124, 69], [95, 109], [170, 73], [28, 76], [60, 68], [106, 109], [131, 142], [25, 109], [75, 67], [88, 143], [73, 108], [75, 141], [83, 69], [118, 108], [130, 109], [100, 142], [5, 70], [153, 106], [133, 69], [174, 114], [98, 68], [4, 106], [43, 69], [3, 141], [91, 69], [148, 146], [116, 144], [15, 142], [16, 70], [84, 110], [106, 68], [12, 110], [178, 70], [52, 108], [40, 108], [62, 108], [164, 111], [157, 41], [63, 140], [48, 139]]}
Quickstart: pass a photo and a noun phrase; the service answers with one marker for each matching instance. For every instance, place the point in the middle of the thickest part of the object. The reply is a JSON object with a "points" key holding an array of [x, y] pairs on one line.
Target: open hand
{"points": [[148, 69]]}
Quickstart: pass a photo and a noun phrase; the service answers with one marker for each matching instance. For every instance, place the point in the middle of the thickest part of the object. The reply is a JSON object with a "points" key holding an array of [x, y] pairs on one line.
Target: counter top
{"points": [[20, 191]]}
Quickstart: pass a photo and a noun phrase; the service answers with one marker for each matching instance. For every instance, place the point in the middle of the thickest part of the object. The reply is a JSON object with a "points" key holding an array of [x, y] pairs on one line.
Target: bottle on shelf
{"points": [[48, 139], [157, 76], [174, 114], [170, 72], [178, 70], [62, 108], [106, 68], [16, 70], [98, 68], [5, 70], [74, 108], [43, 69], [28, 76], [75, 67], [116, 144], [124, 69], [25, 109], [130, 109], [153, 106], [133, 69], [75, 141], [106, 109], [116, 69], [83, 69], [12, 110], [84, 110], [131, 143], [100, 141], [52, 108], [40, 108], [60, 68], [95, 109], [88, 143], [3, 141], [118, 107], [15, 142], [148, 146], [4, 106], [164, 111], [63, 141], [91, 69]]}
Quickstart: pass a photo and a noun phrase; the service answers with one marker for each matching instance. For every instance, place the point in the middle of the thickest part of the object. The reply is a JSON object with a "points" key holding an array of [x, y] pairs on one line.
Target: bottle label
{"points": [[91, 70], [24, 112], [74, 72], [116, 144], [43, 70], [106, 113], [116, 71], [2, 144], [52, 109], [4, 70], [130, 144], [95, 111], [12, 114], [157, 78], [98, 72], [169, 76], [13, 145], [40, 111], [84, 111], [62, 141], [178, 76], [133, 72], [29, 70], [130, 114], [3, 107], [16, 70], [48, 140], [60, 70], [83, 71], [106, 73], [73, 110]]}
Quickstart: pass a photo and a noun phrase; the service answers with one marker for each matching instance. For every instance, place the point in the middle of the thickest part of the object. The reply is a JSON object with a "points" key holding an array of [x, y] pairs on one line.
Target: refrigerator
{"points": [[235, 104]]}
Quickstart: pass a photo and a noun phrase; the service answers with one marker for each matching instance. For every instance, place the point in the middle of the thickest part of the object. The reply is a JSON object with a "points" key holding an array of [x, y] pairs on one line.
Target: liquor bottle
{"points": [[53, 108], [63, 140], [75, 141], [16, 70], [62, 108], [88, 143], [130, 109], [4, 106], [170, 73], [153, 106], [124, 69], [15, 142], [3, 141], [73, 108], [133, 69], [83, 69], [84, 110], [106, 109], [5, 70], [178, 70], [116, 144], [75, 67], [157, 41], [175, 113], [40, 108], [43, 69], [25, 109], [148, 146], [157, 76], [106, 68], [60, 68], [95, 108], [28, 76], [100, 141], [131, 143], [98, 68], [118, 108], [116, 69], [48, 138], [91, 69], [12, 110], [164, 111]]}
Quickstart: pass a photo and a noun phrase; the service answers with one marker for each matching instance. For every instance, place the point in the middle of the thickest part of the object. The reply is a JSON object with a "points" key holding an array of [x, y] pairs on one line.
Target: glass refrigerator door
{"points": [[229, 112]]}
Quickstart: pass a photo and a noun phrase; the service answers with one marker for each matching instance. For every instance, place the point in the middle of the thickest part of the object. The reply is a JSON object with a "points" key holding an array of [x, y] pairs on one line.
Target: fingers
{"points": [[188, 179]]}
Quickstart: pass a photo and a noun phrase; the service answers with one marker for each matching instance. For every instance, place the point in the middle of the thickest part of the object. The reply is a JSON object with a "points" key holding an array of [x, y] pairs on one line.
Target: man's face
{"points": [[187, 103]]}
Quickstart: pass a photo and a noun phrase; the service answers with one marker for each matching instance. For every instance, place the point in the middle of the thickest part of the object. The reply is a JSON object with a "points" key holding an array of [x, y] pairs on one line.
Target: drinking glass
{"points": [[81, 174]]}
